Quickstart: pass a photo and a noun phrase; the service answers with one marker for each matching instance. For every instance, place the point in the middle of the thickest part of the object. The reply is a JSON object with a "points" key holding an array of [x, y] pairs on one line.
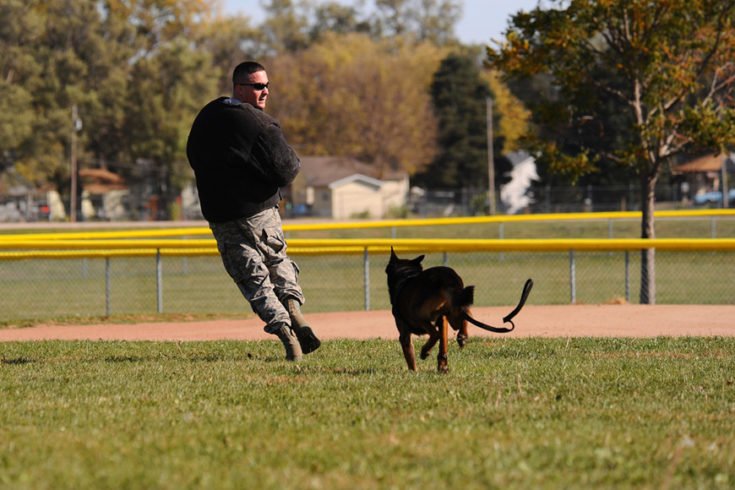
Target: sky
{"points": [[481, 19]]}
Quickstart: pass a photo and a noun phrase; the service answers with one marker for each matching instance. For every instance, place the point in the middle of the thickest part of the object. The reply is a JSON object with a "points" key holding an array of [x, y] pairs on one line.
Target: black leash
{"points": [[507, 318], [524, 296]]}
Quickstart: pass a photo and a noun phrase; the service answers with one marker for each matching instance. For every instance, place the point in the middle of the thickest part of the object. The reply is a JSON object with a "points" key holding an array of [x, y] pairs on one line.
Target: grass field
{"points": [[511, 413]]}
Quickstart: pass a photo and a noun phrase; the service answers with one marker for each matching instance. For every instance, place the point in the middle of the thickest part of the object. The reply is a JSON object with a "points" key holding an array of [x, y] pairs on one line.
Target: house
{"points": [[703, 179], [104, 194], [344, 188], [515, 195]]}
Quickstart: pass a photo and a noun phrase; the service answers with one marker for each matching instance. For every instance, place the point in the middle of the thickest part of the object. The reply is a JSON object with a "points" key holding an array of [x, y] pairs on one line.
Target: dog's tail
{"points": [[507, 318], [464, 297]]}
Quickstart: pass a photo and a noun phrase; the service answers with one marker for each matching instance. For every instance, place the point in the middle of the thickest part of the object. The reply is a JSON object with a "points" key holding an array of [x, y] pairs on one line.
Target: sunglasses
{"points": [[256, 86]]}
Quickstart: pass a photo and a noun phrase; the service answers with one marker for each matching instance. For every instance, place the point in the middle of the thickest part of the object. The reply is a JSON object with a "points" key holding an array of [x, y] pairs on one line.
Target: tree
{"points": [[459, 94], [665, 68], [353, 96], [229, 41], [18, 28], [336, 18], [165, 93], [294, 25], [286, 26], [59, 54], [65, 62], [513, 117], [427, 20]]}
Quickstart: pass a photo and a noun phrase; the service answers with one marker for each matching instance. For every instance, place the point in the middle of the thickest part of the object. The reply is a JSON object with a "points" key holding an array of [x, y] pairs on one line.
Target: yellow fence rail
{"points": [[200, 231], [69, 249]]}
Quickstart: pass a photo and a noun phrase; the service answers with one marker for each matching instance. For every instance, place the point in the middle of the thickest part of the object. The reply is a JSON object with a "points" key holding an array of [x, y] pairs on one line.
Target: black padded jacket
{"points": [[240, 160]]}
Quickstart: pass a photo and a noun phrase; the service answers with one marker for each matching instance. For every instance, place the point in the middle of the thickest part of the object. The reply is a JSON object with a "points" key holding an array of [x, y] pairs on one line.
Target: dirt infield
{"points": [[533, 321]]}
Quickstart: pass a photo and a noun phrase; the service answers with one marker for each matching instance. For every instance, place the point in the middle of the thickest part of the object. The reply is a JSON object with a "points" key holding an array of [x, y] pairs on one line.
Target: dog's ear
{"points": [[418, 259], [393, 255]]}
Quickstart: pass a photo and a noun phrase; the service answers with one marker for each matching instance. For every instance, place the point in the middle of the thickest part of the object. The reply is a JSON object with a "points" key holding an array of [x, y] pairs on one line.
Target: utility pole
{"points": [[76, 125], [490, 157], [723, 182]]}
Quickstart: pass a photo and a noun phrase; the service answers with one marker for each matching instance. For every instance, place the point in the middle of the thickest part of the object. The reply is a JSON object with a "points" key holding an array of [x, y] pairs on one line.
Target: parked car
{"points": [[714, 197]]}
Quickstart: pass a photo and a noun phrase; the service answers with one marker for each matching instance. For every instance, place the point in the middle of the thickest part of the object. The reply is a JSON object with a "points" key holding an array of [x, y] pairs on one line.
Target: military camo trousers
{"points": [[253, 251]]}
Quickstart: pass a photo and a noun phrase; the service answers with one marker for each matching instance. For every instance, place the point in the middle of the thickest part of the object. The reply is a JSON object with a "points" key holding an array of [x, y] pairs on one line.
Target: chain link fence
{"points": [[41, 288], [557, 199], [37, 289]]}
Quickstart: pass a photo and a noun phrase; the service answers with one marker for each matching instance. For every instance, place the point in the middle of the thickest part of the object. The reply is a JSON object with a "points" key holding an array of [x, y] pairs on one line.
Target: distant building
{"points": [[703, 179], [344, 188], [515, 195], [104, 195]]}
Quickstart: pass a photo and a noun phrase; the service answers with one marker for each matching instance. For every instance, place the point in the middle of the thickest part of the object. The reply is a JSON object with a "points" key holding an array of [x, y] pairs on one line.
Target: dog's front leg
{"points": [[442, 366], [408, 353]]}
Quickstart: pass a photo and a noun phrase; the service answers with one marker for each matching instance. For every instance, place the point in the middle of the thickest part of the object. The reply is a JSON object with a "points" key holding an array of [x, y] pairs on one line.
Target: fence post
{"points": [[159, 282], [366, 277], [572, 277], [627, 276], [107, 286], [501, 236]]}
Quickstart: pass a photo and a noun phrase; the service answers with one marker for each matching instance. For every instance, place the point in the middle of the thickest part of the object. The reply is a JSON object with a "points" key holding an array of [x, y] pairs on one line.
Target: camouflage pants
{"points": [[253, 251]]}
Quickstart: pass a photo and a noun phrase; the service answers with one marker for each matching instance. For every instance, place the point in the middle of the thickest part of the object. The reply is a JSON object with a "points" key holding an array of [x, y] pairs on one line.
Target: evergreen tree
{"points": [[459, 95]]}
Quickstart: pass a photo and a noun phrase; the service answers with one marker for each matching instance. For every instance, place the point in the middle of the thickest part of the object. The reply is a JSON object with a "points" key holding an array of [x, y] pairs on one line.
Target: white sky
{"points": [[481, 19]]}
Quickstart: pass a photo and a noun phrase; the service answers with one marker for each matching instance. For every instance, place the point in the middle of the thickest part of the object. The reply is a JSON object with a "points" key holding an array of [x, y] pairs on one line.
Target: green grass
{"points": [[511, 413]]}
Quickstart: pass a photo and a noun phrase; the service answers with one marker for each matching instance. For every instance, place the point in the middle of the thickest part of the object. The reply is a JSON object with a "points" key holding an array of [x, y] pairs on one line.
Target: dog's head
{"points": [[403, 266], [398, 270]]}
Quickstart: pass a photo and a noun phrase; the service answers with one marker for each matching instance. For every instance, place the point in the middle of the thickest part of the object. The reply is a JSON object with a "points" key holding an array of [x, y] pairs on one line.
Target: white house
{"points": [[344, 188], [514, 195]]}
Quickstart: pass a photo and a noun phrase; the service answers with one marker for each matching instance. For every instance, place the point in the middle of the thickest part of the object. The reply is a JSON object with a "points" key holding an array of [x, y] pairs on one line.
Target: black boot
{"points": [[307, 339], [290, 342]]}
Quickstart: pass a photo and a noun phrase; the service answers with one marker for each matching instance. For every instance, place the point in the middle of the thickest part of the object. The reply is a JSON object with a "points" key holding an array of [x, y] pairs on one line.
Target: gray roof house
{"points": [[344, 188]]}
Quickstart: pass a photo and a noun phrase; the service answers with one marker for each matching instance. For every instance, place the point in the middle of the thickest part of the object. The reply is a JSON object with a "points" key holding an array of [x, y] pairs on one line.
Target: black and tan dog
{"points": [[425, 301]]}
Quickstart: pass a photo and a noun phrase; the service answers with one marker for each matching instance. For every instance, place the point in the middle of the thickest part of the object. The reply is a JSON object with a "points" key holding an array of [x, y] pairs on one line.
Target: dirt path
{"points": [[533, 321]]}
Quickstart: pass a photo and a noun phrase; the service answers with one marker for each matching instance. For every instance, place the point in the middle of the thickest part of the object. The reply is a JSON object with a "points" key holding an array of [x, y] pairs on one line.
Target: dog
{"points": [[425, 301]]}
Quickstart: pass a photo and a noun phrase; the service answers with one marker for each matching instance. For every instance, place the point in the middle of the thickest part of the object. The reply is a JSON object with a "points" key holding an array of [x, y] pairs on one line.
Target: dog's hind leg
{"points": [[462, 335], [433, 329], [408, 353], [430, 343], [442, 366], [458, 323]]}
